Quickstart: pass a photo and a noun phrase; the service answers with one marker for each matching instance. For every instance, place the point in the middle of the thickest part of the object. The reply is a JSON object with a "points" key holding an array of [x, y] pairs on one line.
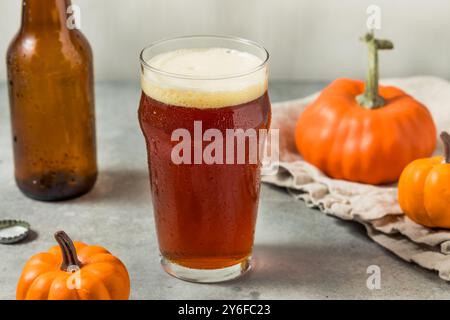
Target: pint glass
{"points": [[203, 107]]}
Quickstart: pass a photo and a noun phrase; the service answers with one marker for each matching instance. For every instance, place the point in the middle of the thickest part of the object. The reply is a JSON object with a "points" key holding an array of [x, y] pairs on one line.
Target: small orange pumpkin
{"points": [[73, 271], [424, 189], [365, 133]]}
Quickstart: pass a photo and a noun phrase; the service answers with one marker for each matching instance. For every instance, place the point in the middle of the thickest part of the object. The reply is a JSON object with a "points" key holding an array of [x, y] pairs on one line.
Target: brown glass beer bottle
{"points": [[50, 78]]}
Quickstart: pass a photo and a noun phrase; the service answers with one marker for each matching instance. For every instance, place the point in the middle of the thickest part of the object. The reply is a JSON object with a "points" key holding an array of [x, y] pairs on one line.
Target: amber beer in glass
{"points": [[205, 213], [51, 95]]}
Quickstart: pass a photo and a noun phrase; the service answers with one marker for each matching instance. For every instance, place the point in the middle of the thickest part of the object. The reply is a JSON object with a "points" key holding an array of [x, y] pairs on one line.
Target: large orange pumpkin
{"points": [[424, 189], [73, 271], [365, 133]]}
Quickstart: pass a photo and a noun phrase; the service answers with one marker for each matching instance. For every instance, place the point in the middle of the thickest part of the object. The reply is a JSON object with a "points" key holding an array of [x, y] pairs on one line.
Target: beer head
{"points": [[204, 77]]}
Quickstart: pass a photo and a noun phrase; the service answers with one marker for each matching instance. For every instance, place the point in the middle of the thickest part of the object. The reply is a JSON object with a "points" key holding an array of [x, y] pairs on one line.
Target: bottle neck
{"points": [[44, 13]]}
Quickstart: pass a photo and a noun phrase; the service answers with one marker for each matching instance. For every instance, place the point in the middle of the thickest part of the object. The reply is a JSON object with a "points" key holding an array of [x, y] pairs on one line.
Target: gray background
{"points": [[308, 39]]}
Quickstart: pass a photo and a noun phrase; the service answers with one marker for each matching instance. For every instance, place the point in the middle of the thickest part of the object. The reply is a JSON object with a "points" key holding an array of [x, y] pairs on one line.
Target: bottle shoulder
{"points": [[50, 47]]}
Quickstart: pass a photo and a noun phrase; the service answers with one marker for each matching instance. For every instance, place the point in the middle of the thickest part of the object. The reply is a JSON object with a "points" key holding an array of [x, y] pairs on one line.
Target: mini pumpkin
{"points": [[424, 189], [73, 271], [365, 132]]}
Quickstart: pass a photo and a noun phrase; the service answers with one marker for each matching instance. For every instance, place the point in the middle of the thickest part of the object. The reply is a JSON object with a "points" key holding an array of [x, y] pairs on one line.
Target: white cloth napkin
{"points": [[374, 207]]}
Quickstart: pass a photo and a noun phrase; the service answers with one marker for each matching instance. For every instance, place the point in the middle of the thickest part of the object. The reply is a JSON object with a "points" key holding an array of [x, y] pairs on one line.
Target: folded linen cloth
{"points": [[376, 207]]}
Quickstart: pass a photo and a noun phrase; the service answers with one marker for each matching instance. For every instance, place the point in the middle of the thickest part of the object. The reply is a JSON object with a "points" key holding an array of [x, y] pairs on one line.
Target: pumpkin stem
{"points": [[371, 98], [446, 140], [68, 251]]}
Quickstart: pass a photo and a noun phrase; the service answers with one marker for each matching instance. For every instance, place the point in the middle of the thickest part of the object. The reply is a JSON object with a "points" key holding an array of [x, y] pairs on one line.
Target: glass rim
{"points": [[146, 65]]}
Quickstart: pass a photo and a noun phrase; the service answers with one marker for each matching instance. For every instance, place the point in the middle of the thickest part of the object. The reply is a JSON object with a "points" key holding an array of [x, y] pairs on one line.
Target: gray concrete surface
{"points": [[299, 253]]}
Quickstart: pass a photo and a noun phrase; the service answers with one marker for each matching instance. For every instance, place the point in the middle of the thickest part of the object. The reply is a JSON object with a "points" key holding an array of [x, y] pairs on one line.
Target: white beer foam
{"points": [[194, 86]]}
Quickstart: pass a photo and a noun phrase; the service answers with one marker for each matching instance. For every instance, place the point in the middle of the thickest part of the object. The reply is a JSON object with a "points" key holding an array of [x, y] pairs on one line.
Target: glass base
{"points": [[206, 275]]}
